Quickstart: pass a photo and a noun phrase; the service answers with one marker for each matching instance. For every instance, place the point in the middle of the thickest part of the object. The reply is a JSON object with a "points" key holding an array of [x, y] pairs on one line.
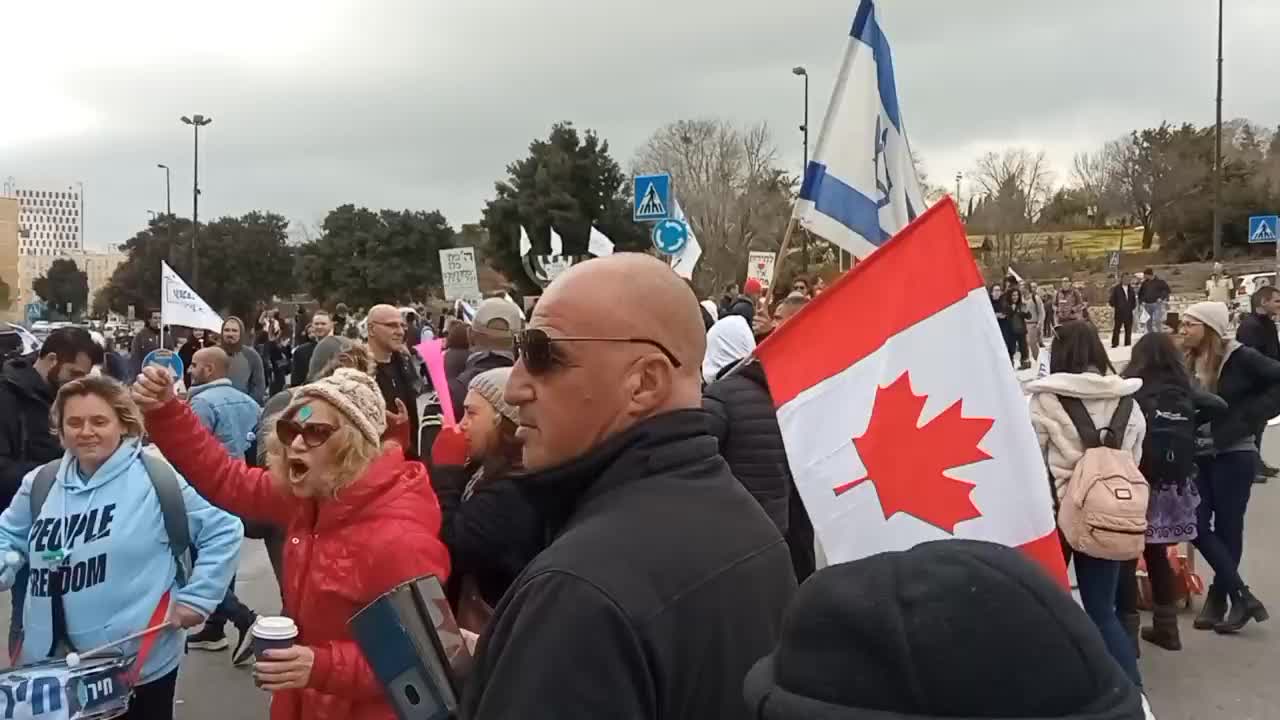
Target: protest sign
{"points": [[458, 274], [760, 267]]}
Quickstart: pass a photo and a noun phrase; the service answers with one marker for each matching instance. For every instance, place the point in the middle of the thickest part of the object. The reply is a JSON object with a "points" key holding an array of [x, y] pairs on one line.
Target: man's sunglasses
{"points": [[313, 434], [534, 348]]}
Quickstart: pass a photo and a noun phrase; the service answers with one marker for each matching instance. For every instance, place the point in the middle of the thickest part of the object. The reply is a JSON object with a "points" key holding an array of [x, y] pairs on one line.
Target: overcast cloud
{"points": [[422, 103]]}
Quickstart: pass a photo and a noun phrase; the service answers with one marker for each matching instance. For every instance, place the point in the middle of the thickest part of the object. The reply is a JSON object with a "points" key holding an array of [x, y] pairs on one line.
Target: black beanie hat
{"points": [[950, 629]]}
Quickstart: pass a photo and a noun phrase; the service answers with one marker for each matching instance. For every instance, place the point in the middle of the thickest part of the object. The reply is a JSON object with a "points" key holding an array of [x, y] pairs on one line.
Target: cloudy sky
{"points": [[422, 103]]}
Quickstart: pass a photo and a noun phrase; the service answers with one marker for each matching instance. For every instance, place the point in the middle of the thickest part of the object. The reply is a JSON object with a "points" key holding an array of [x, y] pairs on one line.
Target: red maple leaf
{"points": [[908, 464]]}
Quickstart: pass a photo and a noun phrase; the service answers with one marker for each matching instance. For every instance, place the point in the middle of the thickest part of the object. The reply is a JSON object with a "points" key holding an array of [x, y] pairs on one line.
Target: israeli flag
{"points": [[861, 188]]}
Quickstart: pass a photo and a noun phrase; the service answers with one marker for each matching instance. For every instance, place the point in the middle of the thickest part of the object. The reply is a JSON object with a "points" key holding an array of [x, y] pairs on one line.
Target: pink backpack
{"points": [[1104, 511]]}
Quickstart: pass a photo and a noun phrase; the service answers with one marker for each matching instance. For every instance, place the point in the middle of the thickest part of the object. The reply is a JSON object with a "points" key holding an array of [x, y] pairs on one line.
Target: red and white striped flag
{"points": [[902, 417]]}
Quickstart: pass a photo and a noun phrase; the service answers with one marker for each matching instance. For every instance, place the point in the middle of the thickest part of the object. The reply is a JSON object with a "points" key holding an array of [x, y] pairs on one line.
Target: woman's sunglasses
{"points": [[313, 434], [534, 348]]}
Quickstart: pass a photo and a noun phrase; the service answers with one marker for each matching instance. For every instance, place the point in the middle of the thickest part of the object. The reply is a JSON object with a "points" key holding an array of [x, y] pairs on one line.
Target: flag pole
{"points": [[782, 253]]}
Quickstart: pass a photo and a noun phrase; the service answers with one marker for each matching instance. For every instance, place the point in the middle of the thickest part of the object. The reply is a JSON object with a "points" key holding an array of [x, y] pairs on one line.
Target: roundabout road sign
{"points": [[670, 236]]}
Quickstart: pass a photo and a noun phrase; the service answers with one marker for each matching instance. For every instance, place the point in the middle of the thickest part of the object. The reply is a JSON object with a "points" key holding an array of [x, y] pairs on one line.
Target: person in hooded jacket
{"points": [[361, 520], [246, 372], [745, 304], [1079, 368], [1258, 330], [1249, 382], [728, 341], [910, 636], [744, 421], [491, 527], [115, 575]]}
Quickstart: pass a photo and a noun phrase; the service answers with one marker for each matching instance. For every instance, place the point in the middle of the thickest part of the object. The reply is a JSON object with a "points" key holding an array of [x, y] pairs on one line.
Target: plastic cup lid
{"points": [[275, 628]]}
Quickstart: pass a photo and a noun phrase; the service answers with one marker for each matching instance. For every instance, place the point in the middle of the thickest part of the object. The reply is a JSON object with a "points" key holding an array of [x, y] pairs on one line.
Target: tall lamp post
{"points": [[196, 122], [168, 197], [804, 129], [1217, 154]]}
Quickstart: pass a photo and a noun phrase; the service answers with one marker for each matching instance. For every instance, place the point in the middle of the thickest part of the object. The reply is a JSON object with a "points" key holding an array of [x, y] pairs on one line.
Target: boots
{"points": [[1132, 622], [1214, 610], [1164, 628], [1244, 607]]}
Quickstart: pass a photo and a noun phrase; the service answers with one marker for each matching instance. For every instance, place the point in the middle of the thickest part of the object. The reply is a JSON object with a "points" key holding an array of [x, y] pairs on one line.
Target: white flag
{"points": [[182, 306], [525, 245], [599, 244], [861, 188], [557, 244], [687, 260]]}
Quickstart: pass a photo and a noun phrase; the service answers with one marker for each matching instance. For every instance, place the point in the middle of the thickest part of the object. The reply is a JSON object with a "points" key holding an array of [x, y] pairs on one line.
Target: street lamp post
{"points": [[168, 198], [804, 129], [196, 122], [1217, 154]]}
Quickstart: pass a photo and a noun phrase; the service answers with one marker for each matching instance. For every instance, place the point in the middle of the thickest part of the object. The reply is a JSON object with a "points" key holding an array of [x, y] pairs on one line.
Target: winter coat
{"points": [[1035, 309], [1250, 383], [1153, 291], [339, 554], [144, 343], [120, 564], [1069, 305], [301, 362], [1124, 300], [729, 341], [742, 305], [1016, 316], [455, 361], [247, 374], [398, 379], [745, 423], [26, 441], [229, 414], [1258, 331], [492, 535], [664, 583], [1059, 440]]}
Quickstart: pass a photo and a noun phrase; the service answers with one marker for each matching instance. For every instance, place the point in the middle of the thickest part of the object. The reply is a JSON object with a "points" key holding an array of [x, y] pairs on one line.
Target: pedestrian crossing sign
{"points": [[652, 198], [1263, 228]]}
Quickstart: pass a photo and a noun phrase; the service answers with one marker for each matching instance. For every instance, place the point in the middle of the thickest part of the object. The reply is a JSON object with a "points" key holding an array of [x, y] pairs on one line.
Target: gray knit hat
{"points": [[354, 394], [491, 385], [1214, 315]]}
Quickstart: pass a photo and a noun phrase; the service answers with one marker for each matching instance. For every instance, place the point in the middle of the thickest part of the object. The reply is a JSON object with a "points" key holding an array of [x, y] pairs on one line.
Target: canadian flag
{"points": [[902, 417]]}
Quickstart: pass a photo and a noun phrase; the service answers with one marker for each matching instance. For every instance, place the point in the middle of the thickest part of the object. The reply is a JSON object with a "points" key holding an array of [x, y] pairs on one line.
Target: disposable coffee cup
{"points": [[273, 633]]}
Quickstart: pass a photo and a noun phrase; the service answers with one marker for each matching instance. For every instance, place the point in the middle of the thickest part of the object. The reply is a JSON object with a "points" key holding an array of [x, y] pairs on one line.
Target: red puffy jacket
{"points": [[339, 555]]}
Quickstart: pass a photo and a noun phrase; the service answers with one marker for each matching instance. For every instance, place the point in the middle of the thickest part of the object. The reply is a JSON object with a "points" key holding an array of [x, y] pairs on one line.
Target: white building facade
{"points": [[50, 219]]}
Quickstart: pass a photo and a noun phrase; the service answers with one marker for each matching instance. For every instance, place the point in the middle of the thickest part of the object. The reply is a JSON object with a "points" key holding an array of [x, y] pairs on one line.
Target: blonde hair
{"points": [[1205, 361], [354, 453], [355, 356], [111, 391]]}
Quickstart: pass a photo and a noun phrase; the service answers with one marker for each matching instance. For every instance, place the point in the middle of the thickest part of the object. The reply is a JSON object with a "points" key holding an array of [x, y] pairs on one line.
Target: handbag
{"points": [[1171, 513]]}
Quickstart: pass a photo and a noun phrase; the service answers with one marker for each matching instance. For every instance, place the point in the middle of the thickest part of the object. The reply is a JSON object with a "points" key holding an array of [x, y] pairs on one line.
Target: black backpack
{"points": [[1169, 450]]}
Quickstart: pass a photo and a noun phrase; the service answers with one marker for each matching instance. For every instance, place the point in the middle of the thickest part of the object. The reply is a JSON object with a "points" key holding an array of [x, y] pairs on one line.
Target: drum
{"points": [[97, 689], [414, 646]]}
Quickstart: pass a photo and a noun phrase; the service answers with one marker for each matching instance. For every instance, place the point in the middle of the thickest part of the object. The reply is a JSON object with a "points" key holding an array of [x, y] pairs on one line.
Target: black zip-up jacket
{"points": [[26, 440], [1250, 384], [1153, 290], [1259, 332], [664, 583]]}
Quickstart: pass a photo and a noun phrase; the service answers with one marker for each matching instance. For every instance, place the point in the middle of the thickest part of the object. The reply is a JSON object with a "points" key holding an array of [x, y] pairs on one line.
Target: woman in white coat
{"points": [[1079, 368]]}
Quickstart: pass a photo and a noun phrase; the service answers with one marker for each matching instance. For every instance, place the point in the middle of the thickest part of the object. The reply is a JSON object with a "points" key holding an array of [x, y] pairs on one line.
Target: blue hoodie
{"points": [[119, 557]]}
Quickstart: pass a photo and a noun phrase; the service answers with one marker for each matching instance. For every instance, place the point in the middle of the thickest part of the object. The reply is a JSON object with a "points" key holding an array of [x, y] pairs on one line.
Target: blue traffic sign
{"points": [[1263, 228], [652, 198], [670, 236], [165, 358]]}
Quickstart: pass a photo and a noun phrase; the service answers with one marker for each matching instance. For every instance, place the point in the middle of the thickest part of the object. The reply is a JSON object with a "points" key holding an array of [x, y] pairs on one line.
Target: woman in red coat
{"points": [[360, 519]]}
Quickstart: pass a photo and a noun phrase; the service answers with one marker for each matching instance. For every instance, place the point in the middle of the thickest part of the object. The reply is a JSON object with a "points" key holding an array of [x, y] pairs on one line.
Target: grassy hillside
{"points": [[1079, 243]]}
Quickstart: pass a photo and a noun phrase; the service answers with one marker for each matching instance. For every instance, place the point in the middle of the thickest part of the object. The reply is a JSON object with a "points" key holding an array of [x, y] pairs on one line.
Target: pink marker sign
{"points": [[432, 352]]}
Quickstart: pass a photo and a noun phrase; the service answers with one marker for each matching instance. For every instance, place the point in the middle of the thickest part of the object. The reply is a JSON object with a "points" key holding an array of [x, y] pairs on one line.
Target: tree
{"points": [[364, 257], [1160, 167], [1017, 184], [730, 189], [569, 182], [1097, 184], [64, 284], [243, 261]]}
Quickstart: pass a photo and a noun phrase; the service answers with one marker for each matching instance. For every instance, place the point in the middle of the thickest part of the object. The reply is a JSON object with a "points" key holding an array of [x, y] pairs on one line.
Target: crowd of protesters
{"points": [[613, 512]]}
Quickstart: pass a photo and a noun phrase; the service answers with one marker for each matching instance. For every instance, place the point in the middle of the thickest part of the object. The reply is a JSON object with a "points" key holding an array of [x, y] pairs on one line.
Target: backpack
{"points": [[1104, 510], [165, 482], [1169, 450]]}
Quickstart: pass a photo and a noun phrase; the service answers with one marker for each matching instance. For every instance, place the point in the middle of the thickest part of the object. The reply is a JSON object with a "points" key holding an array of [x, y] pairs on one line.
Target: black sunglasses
{"points": [[534, 348], [313, 434]]}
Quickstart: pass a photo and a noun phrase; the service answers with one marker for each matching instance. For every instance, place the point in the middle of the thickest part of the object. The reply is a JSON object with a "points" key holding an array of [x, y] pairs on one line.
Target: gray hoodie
{"points": [[246, 375]]}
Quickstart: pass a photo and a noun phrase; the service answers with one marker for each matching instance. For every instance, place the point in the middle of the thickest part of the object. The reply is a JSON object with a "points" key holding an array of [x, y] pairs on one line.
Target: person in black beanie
{"points": [[950, 629]]}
